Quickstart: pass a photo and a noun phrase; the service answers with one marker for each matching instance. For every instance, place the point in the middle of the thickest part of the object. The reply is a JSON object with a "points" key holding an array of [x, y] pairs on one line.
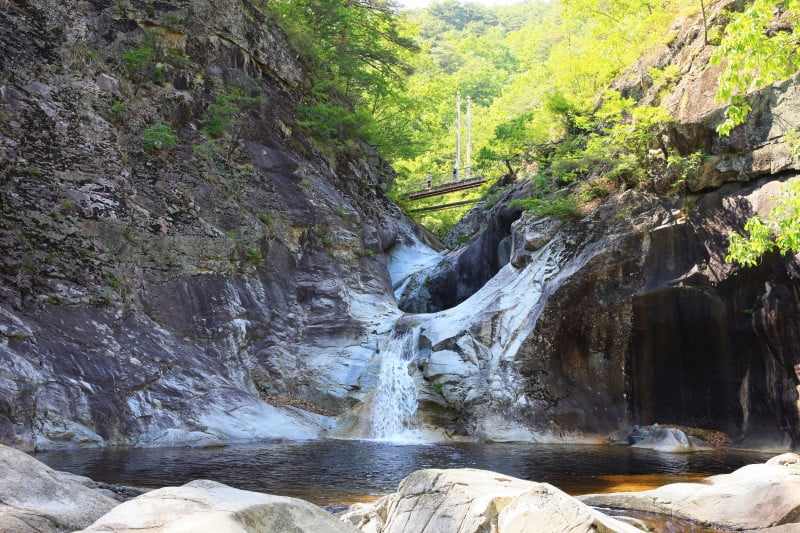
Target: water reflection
{"points": [[338, 471]]}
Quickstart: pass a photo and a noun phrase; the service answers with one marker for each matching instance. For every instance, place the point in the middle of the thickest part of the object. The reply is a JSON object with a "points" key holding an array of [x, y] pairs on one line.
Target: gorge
{"points": [[188, 260]]}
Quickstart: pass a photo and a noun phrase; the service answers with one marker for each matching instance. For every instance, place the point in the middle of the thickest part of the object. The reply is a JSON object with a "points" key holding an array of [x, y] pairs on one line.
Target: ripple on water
{"points": [[334, 472]]}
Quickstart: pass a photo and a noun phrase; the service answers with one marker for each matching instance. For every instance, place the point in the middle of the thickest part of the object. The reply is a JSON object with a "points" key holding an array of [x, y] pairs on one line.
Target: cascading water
{"points": [[395, 402]]}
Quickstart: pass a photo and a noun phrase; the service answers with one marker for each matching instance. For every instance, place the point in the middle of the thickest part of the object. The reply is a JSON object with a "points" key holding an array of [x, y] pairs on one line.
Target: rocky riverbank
{"points": [[758, 497]]}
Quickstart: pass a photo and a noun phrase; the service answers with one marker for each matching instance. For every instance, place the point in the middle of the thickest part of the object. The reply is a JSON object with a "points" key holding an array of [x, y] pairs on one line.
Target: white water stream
{"points": [[395, 402], [489, 328]]}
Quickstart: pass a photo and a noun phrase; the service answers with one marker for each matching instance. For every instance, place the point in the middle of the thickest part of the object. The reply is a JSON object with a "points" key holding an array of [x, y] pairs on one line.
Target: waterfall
{"points": [[394, 405]]}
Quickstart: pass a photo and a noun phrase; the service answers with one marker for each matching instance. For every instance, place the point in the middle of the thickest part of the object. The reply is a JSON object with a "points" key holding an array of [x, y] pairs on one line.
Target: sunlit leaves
{"points": [[753, 56], [779, 230]]}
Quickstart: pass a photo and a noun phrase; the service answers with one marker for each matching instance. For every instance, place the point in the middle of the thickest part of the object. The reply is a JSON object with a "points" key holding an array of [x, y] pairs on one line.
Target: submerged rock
{"points": [[210, 506], [36, 498], [468, 500], [754, 497]]}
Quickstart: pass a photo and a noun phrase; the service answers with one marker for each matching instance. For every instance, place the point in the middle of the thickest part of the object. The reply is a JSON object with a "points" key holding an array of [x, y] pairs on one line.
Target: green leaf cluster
{"points": [[780, 230], [359, 52], [753, 56], [560, 207], [159, 137]]}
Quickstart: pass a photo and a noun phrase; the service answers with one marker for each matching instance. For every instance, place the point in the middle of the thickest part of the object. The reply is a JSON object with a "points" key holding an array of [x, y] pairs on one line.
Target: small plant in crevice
{"points": [[113, 281], [438, 388], [115, 111], [254, 256], [159, 137], [341, 212]]}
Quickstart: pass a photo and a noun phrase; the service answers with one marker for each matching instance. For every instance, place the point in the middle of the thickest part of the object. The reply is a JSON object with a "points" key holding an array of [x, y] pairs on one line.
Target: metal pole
{"points": [[457, 169], [469, 138]]}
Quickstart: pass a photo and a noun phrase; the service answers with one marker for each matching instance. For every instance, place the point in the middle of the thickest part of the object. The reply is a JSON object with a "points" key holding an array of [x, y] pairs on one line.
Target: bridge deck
{"points": [[445, 188]]}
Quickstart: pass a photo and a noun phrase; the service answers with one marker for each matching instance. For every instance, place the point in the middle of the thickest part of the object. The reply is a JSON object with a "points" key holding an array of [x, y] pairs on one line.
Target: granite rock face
{"points": [[152, 297], [640, 318]]}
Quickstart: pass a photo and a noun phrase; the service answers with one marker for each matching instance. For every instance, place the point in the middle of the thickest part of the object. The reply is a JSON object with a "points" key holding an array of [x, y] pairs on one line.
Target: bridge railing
{"points": [[435, 181]]}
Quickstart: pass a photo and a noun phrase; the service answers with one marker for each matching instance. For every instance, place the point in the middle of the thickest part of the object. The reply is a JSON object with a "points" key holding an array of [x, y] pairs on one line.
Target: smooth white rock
{"points": [[471, 501], [36, 497], [210, 506], [753, 497]]}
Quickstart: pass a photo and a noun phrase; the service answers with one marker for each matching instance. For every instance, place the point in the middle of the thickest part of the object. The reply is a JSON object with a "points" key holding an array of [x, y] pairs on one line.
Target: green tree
{"points": [[159, 137], [359, 52], [226, 114], [754, 56]]}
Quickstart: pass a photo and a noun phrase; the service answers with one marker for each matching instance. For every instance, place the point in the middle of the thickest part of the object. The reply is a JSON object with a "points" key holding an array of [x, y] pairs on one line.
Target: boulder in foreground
{"points": [[470, 501], [210, 506], [36, 498], [754, 497]]}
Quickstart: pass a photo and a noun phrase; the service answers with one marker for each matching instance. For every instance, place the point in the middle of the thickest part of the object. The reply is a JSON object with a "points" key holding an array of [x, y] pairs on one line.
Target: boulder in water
{"points": [[36, 498], [754, 497], [666, 439], [210, 506], [468, 500]]}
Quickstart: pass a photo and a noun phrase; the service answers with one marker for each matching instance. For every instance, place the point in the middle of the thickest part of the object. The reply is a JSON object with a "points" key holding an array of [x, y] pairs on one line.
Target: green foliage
{"points": [[534, 71], [560, 207], [226, 115], [267, 219], [159, 137], [792, 138], [115, 110], [358, 53], [254, 256], [340, 212], [147, 62], [752, 56], [780, 230], [113, 281], [171, 21], [138, 59], [686, 166]]}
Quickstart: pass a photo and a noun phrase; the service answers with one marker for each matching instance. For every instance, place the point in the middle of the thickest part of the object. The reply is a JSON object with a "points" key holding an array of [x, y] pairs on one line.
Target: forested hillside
{"points": [[532, 69]]}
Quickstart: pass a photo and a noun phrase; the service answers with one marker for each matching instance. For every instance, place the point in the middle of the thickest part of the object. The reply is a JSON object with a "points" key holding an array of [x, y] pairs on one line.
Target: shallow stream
{"points": [[336, 472]]}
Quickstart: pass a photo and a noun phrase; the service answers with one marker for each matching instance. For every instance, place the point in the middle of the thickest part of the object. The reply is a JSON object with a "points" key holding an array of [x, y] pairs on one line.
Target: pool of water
{"points": [[336, 472]]}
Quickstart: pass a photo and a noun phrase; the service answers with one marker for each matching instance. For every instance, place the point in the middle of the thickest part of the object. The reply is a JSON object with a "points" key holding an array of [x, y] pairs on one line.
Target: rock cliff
{"points": [[153, 295], [240, 285], [636, 317]]}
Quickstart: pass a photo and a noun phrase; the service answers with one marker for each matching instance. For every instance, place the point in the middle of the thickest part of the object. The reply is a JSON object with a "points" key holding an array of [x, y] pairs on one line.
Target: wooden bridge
{"points": [[441, 185]]}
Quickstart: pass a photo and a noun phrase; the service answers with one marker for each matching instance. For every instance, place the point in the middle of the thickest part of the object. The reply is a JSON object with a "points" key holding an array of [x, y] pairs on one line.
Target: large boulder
{"points": [[468, 500], [210, 506], [36, 498], [754, 497], [666, 439]]}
